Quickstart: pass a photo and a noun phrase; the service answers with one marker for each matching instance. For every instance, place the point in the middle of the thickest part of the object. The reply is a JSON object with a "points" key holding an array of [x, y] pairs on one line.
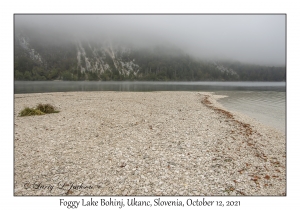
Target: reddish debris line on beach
{"points": [[249, 133]]}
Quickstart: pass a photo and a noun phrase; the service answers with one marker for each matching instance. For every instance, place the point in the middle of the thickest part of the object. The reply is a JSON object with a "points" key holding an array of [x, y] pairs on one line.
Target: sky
{"points": [[257, 39]]}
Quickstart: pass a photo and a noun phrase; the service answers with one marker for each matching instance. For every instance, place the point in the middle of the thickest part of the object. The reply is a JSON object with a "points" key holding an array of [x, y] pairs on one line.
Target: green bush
{"points": [[40, 109], [46, 108], [29, 112], [67, 76]]}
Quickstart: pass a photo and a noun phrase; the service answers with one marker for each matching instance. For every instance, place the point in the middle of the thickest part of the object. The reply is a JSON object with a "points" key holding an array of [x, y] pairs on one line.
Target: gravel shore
{"points": [[144, 143]]}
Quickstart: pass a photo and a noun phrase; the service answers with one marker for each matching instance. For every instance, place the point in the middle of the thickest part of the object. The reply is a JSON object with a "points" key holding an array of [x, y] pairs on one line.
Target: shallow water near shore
{"points": [[267, 107]]}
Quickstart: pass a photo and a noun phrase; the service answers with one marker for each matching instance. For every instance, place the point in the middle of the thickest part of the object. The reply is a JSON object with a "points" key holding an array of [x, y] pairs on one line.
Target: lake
{"points": [[268, 107], [264, 101], [64, 86]]}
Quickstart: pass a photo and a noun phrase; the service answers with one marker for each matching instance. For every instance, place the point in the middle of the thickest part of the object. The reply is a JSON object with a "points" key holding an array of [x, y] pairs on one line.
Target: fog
{"points": [[258, 39]]}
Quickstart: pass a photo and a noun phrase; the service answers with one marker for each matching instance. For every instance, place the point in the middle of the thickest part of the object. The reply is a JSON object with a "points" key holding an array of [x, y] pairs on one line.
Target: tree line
{"points": [[157, 64]]}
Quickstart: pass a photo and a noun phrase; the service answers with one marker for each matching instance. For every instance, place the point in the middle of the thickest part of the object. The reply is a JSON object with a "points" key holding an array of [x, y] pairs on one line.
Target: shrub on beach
{"points": [[46, 108], [29, 112], [40, 109]]}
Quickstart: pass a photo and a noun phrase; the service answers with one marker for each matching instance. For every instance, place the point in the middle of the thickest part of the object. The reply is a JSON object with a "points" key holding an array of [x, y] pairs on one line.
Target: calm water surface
{"points": [[268, 107], [65, 86], [264, 101]]}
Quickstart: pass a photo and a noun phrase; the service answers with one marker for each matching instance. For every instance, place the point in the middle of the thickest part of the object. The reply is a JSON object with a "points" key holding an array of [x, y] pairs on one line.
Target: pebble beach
{"points": [[144, 144]]}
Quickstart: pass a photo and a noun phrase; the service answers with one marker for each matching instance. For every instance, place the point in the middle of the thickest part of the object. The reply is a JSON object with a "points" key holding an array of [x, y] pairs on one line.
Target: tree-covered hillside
{"points": [[36, 58]]}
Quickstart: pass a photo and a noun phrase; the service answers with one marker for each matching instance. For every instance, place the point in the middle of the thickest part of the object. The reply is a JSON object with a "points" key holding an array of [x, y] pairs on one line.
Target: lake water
{"points": [[64, 86], [268, 107], [264, 101]]}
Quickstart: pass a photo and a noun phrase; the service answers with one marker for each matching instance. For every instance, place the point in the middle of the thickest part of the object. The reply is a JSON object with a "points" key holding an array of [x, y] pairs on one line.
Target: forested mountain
{"points": [[73, 58]]}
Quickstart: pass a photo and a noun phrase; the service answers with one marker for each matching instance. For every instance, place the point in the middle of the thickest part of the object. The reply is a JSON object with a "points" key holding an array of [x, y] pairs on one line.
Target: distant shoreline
{"points": [[145, 143], [58, 80], [144, 86]]}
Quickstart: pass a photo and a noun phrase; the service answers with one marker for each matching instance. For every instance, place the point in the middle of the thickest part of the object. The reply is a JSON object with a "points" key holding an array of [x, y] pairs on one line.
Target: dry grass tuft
{"points": [[40, 109]]}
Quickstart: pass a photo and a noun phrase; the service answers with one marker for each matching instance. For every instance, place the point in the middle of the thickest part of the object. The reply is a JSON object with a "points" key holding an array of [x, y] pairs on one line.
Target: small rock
{"points": [[125, 192], [172, 163], [55, 178]]}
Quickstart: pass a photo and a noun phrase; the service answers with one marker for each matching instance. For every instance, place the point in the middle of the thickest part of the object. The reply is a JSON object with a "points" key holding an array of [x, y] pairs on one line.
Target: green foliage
{"points": [[19, 75], [46, 108], [38, 73], [59, 61], [131, 76], [40, 109], [110, 62], [67, 76], [82, 60], [106, 76], [93, 76], [29, 112], [167, 66], [27, 75], [23, 63], [80, 76], [248, 72], [53, 74]]}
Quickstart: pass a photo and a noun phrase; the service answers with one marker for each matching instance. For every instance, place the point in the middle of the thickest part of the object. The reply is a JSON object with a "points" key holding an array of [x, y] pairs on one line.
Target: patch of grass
{"points": [[29, 112], [40, 109], [46, 108]]}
